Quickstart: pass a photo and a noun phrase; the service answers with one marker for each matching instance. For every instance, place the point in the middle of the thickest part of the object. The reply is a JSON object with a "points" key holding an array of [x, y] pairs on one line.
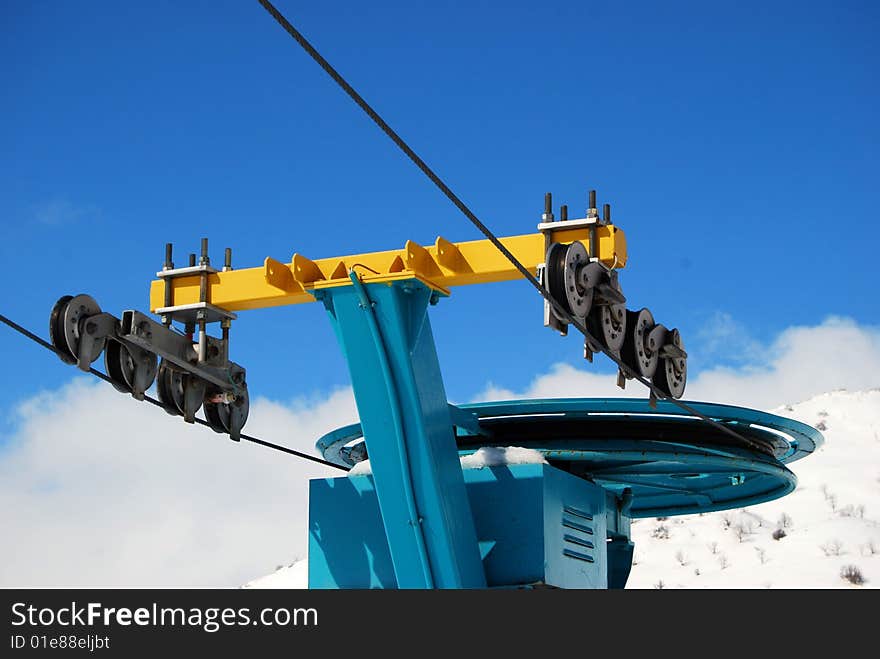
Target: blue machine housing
{"points": [[537, 525], [421, 521]]}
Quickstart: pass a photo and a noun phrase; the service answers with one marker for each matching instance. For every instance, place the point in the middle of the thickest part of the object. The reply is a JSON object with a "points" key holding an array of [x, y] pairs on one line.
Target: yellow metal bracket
{"points": [[440, 266]]}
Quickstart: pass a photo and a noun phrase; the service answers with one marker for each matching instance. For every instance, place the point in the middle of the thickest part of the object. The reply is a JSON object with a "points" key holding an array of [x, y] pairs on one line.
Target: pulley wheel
{"points": [[169, 389], [130, 371], [181, 394], [73, 313], [579, 299], [229, 417], [119, 366], [194, 389], [671, 375], [635, 353], [214, 416], [56, 330], [608, 323], [554, 274]]}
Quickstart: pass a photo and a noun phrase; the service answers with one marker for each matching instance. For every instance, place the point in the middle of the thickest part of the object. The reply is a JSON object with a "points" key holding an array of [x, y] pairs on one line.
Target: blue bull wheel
{"points": [[672, 463]]}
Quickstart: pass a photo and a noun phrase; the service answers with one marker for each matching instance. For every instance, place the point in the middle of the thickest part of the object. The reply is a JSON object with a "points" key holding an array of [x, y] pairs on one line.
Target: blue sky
{"points": [[737, 144]]}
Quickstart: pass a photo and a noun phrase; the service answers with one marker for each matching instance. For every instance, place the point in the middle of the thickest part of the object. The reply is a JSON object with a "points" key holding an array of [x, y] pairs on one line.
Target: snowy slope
{"points": [[830, 521], [295, 575], [833, 516]]}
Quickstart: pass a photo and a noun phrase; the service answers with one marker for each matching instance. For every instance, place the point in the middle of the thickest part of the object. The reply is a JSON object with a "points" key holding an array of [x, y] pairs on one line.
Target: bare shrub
{"points": [[762, 554], [852, 511], [784, 521], [743, 529], [662, 519], [821, 426], [661, 532], [713, 547], [660, 585], [779, 534], [852, 574], [696, 571], [681, 557], [832, 548], [723, 561], [727, 520], [870, 548]]}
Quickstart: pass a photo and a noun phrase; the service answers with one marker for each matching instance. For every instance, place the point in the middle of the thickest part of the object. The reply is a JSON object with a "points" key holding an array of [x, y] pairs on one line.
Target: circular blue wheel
{"points": [[673, 463]]}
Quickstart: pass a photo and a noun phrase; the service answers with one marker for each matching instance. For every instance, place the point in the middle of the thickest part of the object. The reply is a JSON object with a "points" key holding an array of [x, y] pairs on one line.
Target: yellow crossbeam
{"points": [[441, 266]]}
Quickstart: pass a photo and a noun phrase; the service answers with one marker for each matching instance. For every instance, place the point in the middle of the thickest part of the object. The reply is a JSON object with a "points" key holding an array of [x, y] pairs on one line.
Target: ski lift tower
{"points": [[419, 520]]}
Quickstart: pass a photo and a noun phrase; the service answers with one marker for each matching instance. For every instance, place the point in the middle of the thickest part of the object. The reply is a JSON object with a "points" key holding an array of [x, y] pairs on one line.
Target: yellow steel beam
{"points": [[441, 266]]}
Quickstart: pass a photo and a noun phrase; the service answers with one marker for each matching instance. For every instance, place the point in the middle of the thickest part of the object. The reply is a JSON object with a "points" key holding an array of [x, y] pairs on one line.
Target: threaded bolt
{"points": [[548, 208]]}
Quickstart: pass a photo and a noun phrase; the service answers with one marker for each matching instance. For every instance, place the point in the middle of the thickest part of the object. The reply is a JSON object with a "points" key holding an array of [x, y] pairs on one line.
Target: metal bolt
{"points": [[606, 213], [192, 260], [169, 294], [563, 213], [548, 208], [227, 259], [204, 260], [592, 212]]}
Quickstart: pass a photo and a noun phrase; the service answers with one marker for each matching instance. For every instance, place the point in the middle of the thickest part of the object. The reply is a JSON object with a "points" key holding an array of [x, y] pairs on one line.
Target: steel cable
{"points": [[445, 189], [149, 399]]}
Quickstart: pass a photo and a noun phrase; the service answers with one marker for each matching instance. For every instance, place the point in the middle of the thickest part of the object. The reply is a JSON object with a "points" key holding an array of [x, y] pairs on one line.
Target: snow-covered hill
{"points": [[830, 523]]}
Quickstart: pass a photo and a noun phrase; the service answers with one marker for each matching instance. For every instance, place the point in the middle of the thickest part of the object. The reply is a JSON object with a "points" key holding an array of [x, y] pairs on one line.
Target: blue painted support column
{"points": [[385, 334]]}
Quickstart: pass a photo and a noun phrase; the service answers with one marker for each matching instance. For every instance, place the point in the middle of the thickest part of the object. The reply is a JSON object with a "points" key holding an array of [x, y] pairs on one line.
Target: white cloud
{"points": [[99, 490], [722, 337], [58, 212], [799, 363]]}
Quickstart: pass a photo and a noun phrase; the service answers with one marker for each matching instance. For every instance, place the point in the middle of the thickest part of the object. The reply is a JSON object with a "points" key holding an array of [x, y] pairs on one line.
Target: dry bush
{"points": [[832, 548], [661, 532], [852, 574], [743, 530]]}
